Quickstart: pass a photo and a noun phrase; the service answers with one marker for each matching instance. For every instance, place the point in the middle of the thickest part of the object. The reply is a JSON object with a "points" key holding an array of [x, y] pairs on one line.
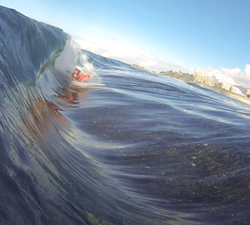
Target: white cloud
{"points": [[234, 76], [247, 70]]}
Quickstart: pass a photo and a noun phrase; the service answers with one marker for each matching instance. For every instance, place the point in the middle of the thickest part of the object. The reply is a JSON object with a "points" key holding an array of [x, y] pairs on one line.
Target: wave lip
{"points": [[25, 45]]}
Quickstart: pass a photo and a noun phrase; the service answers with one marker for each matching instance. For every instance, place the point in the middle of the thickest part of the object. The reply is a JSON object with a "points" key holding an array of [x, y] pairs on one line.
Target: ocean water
{"points": [[127, 147]]}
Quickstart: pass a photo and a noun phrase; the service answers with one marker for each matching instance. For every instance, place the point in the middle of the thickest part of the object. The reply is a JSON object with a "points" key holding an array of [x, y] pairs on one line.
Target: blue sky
{"points": [[158, 34]]}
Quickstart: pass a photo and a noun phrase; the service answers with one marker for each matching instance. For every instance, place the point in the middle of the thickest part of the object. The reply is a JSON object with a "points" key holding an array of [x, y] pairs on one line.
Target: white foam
{"points": [[66, 62], [75, 83], [70, 58]]}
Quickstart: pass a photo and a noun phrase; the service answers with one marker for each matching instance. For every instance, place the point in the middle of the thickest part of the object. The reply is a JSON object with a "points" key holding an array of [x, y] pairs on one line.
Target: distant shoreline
{"points": [[238, 97], [235, 96], [188, 78]]}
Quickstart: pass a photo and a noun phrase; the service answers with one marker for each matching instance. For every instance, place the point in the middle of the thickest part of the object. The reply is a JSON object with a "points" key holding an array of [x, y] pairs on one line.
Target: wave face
{"points": [[126, 147]]}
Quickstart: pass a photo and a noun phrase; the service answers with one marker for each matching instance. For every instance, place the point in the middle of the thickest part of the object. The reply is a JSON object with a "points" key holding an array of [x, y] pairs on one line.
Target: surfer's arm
{"points": [[75, 76]]}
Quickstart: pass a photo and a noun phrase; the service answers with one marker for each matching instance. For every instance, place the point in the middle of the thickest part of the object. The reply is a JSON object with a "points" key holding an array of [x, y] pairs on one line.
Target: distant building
{"points": [[235, 90], [202, 76], [199, 75], [210, 80], [225, 86], [247, 93]]}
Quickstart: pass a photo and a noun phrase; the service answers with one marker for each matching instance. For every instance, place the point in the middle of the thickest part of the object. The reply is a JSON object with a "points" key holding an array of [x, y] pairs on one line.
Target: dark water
{"points": [[129, 147]]}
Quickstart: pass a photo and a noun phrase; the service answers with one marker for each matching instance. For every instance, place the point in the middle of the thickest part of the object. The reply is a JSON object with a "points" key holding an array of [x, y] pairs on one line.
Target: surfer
{"points": [[79, 76]]}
